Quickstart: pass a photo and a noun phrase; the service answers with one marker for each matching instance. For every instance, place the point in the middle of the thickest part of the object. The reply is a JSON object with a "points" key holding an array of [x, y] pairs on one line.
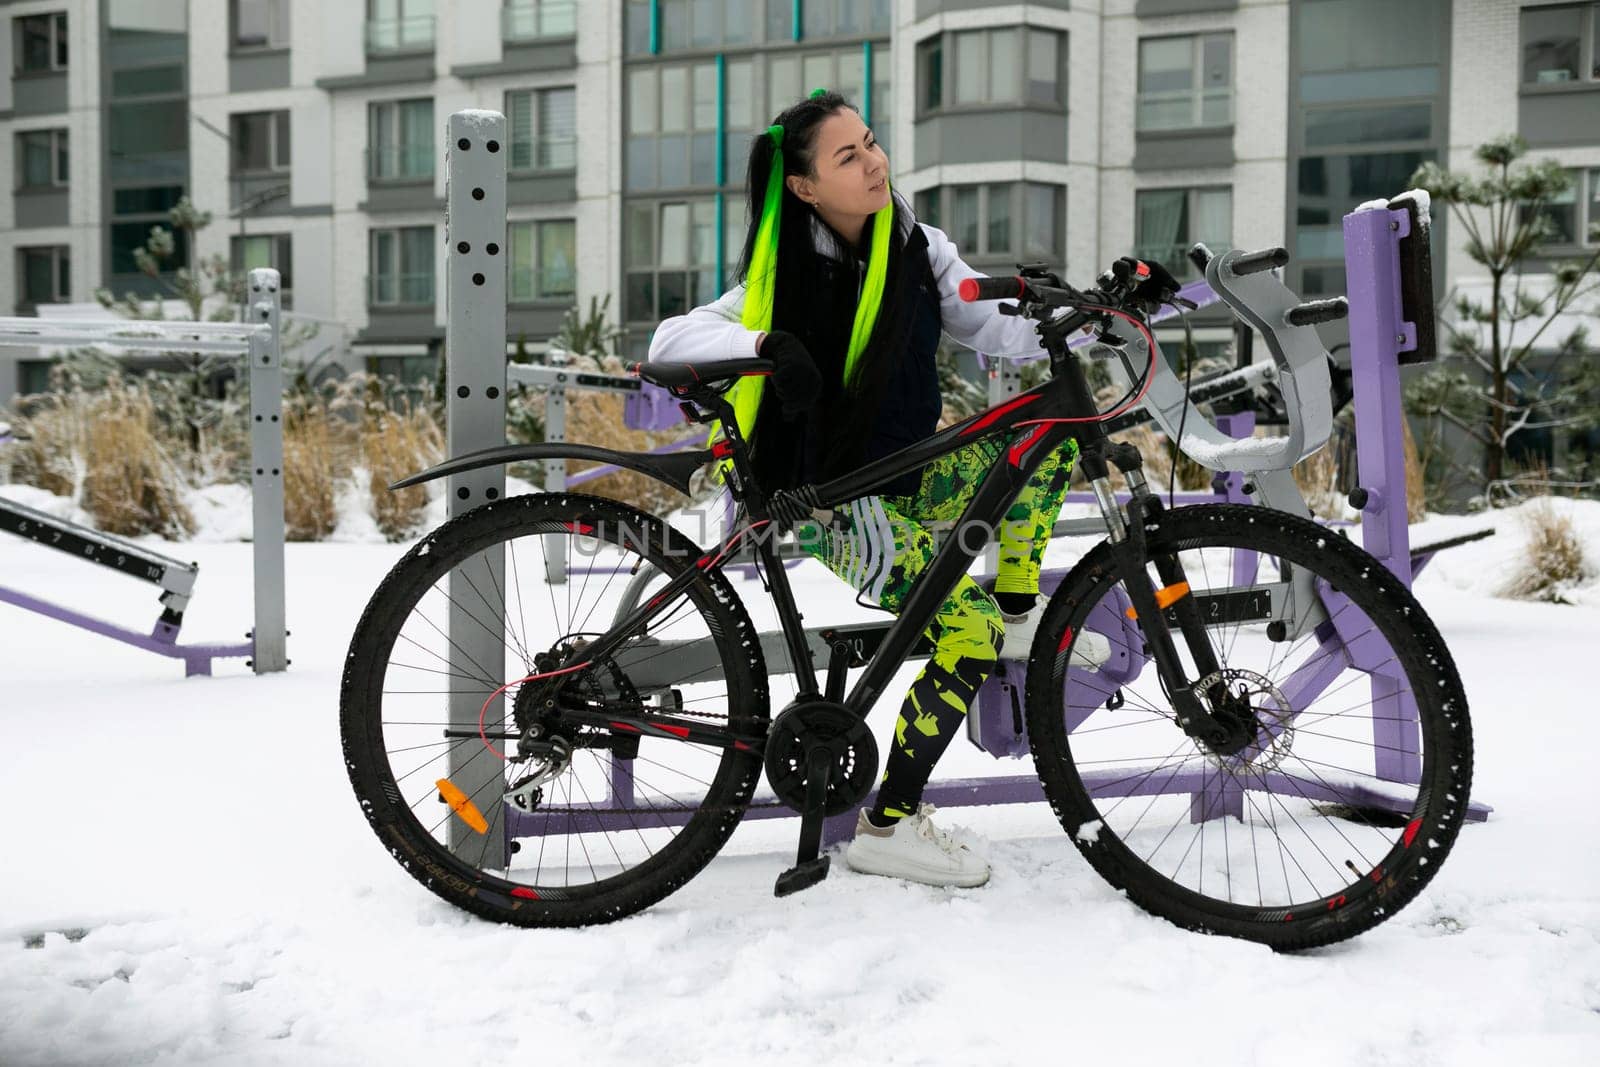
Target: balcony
{"points": [[534, 20], [400, 290], [389, 37]]}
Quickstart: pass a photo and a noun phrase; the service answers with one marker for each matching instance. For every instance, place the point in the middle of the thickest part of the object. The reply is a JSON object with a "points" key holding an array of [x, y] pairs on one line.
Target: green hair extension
{"points": [[760, 283]]}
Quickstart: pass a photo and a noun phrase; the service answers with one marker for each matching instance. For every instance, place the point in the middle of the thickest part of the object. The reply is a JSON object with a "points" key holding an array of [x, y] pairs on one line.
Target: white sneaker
{"points": [[1090, 649], [916, 850]]}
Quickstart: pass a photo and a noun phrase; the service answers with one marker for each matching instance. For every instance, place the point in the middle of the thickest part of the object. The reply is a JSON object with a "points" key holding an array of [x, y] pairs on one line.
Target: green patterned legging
{"points": [[879, 544]]}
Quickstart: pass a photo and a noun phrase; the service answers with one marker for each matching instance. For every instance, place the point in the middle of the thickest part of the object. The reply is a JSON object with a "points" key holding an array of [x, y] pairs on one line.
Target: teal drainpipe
{"points": [[866, 82], [655, 27], [795, 15], [722, 162]]}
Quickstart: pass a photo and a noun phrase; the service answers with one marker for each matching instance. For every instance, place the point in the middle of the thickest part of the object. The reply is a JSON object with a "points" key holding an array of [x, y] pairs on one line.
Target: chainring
{"points": [[854, 753]]}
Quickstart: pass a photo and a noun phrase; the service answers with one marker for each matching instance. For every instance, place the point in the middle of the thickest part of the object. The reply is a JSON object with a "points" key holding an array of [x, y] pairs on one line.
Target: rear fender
{"points": [[673, 468]]}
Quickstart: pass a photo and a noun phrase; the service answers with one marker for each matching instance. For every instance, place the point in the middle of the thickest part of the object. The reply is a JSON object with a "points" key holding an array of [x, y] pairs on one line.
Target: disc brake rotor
{"points": [[1256, 695]]}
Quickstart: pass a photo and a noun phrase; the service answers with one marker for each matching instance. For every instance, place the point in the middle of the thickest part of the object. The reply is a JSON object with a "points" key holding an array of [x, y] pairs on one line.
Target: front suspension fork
{"points": [[1153, 607]]}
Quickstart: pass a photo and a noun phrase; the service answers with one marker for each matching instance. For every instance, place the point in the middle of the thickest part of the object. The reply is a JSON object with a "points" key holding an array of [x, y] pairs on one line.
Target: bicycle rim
{"points": [[1355, 779], [434, 703]]}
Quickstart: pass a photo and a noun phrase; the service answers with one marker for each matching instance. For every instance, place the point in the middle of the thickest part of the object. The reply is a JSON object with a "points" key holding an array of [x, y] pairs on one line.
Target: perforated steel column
{"points": [[266, 480], [475, 356]]}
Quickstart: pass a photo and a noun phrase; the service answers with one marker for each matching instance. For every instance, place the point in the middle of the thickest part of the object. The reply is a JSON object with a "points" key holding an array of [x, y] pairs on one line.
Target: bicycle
{"points": [[636, 723]]}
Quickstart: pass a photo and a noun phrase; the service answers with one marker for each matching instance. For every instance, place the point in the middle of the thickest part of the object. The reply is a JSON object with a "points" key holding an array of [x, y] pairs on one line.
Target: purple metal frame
{"points": [[162, 640], [1378, 333]]}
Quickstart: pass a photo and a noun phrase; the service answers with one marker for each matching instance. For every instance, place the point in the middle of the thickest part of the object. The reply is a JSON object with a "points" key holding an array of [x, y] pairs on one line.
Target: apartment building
{"points": [[1070, 131]]}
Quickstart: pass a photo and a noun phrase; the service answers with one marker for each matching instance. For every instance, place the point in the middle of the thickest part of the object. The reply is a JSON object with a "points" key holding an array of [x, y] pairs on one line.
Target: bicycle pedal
{"points": [[801, 876]]}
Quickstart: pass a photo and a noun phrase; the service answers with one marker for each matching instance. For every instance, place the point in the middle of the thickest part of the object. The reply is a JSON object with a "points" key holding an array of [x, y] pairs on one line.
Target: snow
{"points": [[190, 880], [1218, 455], [1419, 196]]}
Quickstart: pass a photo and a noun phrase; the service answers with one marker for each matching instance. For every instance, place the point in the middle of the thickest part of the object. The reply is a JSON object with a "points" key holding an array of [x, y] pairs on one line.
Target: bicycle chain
{"points": [[635, 709]]}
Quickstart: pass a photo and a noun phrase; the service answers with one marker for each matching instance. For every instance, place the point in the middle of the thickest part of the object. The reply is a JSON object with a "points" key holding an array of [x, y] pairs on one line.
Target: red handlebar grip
{"points": [[974, 289]]}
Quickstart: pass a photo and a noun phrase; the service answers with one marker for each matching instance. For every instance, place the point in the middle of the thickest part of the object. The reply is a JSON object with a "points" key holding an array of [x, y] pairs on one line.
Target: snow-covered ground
{"points": [[189, 880]]}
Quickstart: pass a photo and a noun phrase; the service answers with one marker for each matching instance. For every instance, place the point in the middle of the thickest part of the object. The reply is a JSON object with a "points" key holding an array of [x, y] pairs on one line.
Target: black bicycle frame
{"points": [[1040, 421]]}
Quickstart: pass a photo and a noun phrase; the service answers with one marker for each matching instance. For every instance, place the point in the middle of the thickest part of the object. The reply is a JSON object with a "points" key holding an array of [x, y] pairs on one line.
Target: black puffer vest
{"points": [[897, 405]]}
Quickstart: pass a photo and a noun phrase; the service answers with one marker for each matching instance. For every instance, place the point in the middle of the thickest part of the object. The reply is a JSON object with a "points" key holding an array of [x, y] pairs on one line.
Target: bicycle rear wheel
{"points": [[1354, 781], [436, 694]]}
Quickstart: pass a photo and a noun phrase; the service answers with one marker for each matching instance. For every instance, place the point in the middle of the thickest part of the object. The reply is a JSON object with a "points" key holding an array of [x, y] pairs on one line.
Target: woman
{"points": [[847, 294]]}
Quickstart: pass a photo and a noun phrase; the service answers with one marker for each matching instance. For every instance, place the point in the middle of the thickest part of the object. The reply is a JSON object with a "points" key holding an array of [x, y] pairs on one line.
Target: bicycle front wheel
{"points": [[438, 696], [1344, 786]]}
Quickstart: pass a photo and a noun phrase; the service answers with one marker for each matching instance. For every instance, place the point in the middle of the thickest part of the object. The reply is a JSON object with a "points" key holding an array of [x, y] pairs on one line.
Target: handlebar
{"points": [[973, 290]]}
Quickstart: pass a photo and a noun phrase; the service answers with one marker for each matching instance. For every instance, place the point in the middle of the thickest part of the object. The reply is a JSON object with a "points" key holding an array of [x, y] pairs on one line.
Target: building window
{"points": [[544, 260], [672, 126], [1560, 44], [531, 20], [982, 68], [544, 128], [1572, 217], [1020, 221], [790, 77], [254, 251], [670, 250], [41, 42], [846, 18], [45, 274], [41, 159], [402, 267], [1168, 221], [686, 24], [399, 26], [261, 23], [400, 140], [1185, 82], [260, 141]]}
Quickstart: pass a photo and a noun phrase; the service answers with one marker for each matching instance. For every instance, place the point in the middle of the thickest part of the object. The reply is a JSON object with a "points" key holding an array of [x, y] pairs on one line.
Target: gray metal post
{"points": [[475, 357], [555, 473], [266, 483]]}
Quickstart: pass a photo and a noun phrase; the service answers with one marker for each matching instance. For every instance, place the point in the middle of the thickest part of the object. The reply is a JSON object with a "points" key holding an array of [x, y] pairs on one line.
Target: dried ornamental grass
{"points": [[1554, 563], [130, 484], [315, 461], [395, 444]]}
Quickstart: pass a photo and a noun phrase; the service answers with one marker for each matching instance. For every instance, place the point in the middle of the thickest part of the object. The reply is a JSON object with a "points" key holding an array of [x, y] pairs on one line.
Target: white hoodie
{"points": [[713, 331]]}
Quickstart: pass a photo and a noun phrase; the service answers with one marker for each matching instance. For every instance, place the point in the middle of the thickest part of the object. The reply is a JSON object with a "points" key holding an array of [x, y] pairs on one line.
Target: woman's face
{"points": [[851, 176]]}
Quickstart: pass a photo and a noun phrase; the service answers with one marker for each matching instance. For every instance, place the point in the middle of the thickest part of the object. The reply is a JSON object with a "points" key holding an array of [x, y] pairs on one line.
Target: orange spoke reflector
{"points": [[1165, 597], [462, 806]]}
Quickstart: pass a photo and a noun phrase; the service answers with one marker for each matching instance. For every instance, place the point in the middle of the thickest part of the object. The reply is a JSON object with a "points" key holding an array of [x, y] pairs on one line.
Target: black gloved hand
{"points": [[794, 372], [1157, 287]]}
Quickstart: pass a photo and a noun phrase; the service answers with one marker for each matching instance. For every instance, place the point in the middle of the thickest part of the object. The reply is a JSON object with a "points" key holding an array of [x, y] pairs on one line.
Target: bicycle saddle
{"points": [[714, 374]]}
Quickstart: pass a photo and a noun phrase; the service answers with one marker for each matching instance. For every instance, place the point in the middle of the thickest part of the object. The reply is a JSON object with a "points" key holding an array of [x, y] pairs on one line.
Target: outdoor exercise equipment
{"points": [[258, 343]]}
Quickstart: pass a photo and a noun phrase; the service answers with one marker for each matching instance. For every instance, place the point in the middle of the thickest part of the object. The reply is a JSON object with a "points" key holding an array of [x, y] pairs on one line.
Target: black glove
{"points": [[1158, 286], [794, 372]]}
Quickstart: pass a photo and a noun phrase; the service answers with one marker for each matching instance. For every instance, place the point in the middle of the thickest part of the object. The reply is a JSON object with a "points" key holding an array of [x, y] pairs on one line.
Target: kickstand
{"points": [[810, 868]]}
